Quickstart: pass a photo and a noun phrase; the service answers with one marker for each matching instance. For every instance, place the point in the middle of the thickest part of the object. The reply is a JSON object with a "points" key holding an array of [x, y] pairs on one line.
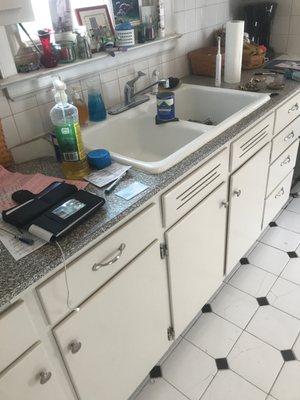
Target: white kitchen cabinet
{"points": [[120, 333], [196, 251], [31, 377], [247, 196]]}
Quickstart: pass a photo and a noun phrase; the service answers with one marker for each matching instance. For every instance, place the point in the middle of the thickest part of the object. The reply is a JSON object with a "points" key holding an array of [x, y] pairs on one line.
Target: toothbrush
{"points": [[218, 65]]}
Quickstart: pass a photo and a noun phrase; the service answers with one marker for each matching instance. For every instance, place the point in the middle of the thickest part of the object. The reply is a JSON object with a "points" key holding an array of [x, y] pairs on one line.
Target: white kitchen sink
{"points": [[133, 137]]}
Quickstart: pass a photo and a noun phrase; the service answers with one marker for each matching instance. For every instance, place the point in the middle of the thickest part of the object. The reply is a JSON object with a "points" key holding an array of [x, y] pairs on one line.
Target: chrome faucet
{"points": [[133, 98], [130, 88]]}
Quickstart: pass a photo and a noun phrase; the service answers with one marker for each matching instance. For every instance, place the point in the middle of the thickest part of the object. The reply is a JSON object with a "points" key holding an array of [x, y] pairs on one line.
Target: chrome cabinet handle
{"points": [[294, 108], [237, 193], [120, 250], [75, 346], [280, 193], [289, 136], [286, 161], [45, 376]]}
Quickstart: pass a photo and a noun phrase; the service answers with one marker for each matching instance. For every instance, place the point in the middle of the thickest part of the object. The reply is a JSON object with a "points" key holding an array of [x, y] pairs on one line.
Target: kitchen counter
{"points": [[17, 276]]}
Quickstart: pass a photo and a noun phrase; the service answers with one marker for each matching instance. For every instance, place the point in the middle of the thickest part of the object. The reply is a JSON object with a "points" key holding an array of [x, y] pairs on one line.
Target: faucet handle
{"points": [[140, 74]]}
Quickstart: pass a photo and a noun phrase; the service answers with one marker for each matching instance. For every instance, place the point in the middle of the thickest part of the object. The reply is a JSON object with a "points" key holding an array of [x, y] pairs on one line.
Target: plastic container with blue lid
{"points": [[99, 159]]}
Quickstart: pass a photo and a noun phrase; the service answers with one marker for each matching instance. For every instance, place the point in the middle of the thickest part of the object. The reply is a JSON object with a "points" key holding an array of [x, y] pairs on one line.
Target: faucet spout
{"points": [[129, 87]]}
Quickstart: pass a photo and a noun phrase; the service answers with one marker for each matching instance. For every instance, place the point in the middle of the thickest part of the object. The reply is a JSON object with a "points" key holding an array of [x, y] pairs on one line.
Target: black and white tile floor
{"points": [[246, 343]]}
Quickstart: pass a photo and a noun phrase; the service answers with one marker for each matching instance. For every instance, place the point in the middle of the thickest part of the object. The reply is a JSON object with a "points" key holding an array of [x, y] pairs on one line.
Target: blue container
{"points": [[99, 159], [165, 106], [97, 110]]}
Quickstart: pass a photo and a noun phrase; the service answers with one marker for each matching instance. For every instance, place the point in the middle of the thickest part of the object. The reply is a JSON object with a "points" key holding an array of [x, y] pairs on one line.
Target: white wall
{"points": [[27, 119]]}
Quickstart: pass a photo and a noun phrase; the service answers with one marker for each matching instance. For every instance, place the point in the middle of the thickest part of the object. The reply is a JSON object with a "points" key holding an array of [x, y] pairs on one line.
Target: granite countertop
{"points": [[17, 276]]}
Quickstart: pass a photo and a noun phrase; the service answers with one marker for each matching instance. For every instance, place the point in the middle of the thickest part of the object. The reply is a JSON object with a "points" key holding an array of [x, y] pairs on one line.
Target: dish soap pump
{"points": [[64, 117], [218, 80]]}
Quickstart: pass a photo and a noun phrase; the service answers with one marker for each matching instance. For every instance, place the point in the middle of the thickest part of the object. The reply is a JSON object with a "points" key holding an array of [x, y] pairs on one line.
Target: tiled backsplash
{"points": [[26, 120]]}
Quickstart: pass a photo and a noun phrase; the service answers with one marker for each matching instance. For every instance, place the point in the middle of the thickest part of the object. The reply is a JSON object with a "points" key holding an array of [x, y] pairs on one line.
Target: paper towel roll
{"points": [[234, 51]]}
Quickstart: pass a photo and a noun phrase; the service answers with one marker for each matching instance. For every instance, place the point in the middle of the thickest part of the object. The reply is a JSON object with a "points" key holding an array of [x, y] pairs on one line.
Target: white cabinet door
{"points": [[246, 197], [120, 333], [196, 250], [31, 377]]}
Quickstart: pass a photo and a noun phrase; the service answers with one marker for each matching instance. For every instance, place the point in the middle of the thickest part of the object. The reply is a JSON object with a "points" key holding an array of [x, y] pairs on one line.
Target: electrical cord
{"points": [[66, 278]]}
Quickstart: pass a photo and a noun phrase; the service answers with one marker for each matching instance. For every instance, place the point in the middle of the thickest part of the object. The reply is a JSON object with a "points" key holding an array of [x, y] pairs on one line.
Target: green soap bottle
{"points": [[65, 119]]}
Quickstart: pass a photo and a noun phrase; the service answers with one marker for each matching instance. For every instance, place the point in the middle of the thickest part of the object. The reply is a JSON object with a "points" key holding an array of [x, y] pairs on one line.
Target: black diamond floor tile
{"points": [[288, 355], [244, 261], [206, 309], [156, 372], [292, 254], [222, 363], [262, 301]]}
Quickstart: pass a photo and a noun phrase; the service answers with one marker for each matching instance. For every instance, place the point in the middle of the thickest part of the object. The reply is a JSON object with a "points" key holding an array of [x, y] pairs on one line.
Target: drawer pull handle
{"points": [[286, 161], [237, 193], [294, 108], [280, 193], [289, 136], [75, 346], [45, 376], [120, 250]]}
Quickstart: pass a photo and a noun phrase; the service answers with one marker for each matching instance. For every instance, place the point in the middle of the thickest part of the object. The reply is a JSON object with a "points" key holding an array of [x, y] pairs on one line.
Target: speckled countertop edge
{"points": [[17, 276]]}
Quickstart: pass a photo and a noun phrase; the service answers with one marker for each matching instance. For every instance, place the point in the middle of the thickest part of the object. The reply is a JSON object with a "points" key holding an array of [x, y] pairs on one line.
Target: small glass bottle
{"points": [[83, 112], [49, 59], [97, 110]]}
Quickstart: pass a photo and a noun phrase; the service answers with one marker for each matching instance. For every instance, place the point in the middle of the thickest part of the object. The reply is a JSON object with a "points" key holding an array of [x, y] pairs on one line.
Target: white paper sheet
{"points": [[107, 175], [16, 248]]}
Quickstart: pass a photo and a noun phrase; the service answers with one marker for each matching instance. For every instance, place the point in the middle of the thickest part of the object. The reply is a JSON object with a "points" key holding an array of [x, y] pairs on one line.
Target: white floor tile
{"points": [[159, 390], [289, 220], [287, 385], [292, 270], [189, 369], [271, 398], [282, 239], [255, 361], [296, 349], [274, 327], [253, 280], [294, 206], [268, 258], [285, 295], [213, 335], [229, 386], [235, 306]]}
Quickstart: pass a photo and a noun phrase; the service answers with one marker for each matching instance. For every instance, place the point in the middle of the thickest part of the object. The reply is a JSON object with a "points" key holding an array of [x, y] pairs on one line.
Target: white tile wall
{"points": [[28, 119]]}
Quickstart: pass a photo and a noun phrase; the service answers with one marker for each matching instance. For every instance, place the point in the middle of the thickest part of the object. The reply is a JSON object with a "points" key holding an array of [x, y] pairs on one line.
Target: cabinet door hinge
{"points": [[171, 333], [163, 251]]}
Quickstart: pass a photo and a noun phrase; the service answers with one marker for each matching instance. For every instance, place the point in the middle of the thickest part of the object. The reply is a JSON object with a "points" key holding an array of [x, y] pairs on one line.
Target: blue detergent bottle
{"points": [[96, 106]]}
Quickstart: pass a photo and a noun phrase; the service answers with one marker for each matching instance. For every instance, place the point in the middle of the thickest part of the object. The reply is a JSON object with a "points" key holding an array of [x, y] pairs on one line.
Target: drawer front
{"points": [[30, 378], [282, 166], [285, 138], [277, 199], [287, 113], [98, 265], [195, 187], [252, 141], [17, 333]]}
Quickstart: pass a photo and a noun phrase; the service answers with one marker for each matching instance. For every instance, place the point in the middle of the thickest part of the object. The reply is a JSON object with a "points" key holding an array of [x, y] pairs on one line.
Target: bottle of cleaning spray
{"points": [[64, 117], [218, 80]]}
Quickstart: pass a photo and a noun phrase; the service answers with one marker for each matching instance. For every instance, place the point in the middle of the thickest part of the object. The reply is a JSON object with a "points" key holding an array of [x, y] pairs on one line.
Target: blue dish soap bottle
{"points": [[96, 106]]}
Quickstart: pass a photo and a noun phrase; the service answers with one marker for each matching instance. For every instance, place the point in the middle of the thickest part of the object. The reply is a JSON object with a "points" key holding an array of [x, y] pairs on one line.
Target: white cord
{"points": [[66, 278]]}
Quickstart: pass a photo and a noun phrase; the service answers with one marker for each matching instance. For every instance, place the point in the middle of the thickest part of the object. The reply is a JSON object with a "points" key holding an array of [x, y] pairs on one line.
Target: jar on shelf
{"points": [[125, 34], [49, 57]]}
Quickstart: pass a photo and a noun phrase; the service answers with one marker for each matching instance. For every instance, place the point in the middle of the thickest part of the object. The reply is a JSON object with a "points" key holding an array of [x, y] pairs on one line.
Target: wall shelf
{"points": [[25, 83]]}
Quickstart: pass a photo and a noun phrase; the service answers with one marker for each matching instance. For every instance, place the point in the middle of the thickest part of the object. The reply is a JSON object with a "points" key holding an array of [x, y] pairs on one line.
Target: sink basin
{"points": [[134, 139]]}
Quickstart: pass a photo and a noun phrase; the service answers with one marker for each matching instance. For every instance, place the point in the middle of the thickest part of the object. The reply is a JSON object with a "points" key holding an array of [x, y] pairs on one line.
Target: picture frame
{"points": [[94, 18], [127, 10]]}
